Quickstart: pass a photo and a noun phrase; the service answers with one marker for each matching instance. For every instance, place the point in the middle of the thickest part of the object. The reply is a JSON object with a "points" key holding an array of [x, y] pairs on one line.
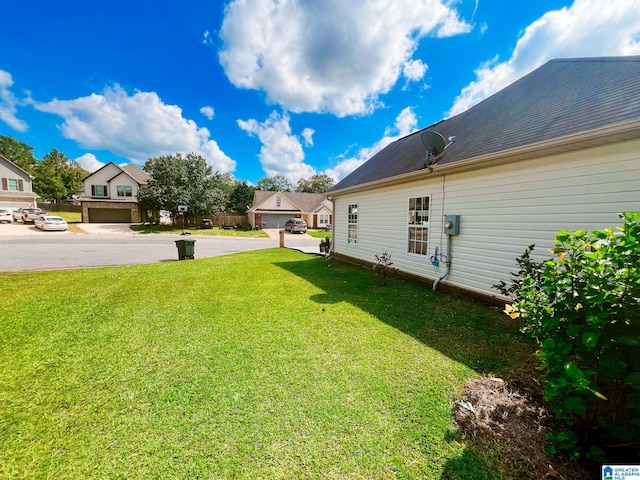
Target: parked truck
{"points": [[30, 214]]}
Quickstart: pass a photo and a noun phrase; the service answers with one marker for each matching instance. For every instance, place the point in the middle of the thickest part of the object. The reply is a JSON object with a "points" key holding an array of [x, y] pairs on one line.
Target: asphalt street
{"points": [[25, 248]]}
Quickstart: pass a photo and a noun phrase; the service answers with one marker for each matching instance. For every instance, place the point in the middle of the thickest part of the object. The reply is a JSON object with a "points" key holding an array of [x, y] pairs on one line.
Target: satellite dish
{"points": [[433, 142]]}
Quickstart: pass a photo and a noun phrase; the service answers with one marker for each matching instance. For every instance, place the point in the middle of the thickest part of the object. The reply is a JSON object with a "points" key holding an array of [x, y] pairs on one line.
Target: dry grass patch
{"points": [[508, 417]]}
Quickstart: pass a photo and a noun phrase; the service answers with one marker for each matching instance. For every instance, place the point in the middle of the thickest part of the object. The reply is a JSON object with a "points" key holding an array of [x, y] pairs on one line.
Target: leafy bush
{"points": [[583, 308], [383, 266], [325, 245], [528, 267]]}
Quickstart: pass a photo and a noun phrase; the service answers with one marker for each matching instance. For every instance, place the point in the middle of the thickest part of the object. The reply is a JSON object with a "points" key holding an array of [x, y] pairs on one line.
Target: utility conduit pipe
{"points": [[447, 264]]}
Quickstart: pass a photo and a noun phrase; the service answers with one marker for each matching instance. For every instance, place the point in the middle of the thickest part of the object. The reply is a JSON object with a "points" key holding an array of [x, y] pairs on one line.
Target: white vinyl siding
{"points": [[502, 209]]}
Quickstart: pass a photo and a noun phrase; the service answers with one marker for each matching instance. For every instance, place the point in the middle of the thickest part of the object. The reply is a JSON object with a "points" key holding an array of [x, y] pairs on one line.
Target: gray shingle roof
{"points": [[307, 202], [136, 173], [561, 98]]}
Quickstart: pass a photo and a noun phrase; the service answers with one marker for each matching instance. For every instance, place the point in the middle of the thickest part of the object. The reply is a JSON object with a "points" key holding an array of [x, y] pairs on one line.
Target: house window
{"points": [[125, 191], [278, 201], [352, 222], [323, 219], [98, 190], [12, 184], [418, 221]]}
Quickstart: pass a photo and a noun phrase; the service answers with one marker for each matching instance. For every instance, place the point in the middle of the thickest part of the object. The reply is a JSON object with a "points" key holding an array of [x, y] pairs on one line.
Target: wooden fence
{"points": [[60, 207], [218, 220]]}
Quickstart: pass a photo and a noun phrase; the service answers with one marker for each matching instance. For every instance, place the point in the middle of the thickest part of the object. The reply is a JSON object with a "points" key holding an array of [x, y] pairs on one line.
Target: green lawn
{"points": [[70, 217], [319, 233], [268, 364], [197, 231]]}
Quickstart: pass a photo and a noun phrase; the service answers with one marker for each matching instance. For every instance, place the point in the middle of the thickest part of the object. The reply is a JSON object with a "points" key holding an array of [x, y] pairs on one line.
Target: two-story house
{"points": [[111, 194], [15, 186]]}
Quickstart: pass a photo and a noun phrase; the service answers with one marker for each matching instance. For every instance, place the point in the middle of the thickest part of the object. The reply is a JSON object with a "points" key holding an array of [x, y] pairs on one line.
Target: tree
{"points": [[315, 184], [277, 183], [241, 197], [18, 152], [57, 178], [72, 176], [226, 182], [177, 180]]}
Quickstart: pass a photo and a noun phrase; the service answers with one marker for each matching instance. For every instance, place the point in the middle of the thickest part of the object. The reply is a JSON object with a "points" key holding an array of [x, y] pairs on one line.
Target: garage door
{"points": [[109, 215], [275, 221]]}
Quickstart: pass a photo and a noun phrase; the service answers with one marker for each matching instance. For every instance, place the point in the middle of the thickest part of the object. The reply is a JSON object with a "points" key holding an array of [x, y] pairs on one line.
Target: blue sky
{"points": [[265, 87]]}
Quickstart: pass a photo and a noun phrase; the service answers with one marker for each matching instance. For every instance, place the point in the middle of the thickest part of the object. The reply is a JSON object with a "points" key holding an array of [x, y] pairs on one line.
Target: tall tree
{"points": [[72, 176], [315, 184], [241, 197], [18, 152], [181, 180], [277, 183], [57, 178]]}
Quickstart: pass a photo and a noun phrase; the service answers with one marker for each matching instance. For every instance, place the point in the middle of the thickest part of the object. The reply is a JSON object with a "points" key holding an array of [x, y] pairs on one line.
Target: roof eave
{"points": [[614, 133]]}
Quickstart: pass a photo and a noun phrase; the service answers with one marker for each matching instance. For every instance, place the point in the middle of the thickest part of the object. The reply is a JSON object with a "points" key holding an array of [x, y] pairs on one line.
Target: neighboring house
{"points": [[111, 194], [273, 209], [15, 186], [558, 149]]}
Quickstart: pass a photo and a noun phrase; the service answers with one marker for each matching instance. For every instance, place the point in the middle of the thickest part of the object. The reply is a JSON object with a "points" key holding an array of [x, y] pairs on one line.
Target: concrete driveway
{"points": [[24, 247]]}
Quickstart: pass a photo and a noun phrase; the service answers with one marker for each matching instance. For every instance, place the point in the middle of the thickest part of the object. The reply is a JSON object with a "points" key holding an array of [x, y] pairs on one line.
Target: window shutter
{"points": [[5, 184], [93, 190], [20, 185]]}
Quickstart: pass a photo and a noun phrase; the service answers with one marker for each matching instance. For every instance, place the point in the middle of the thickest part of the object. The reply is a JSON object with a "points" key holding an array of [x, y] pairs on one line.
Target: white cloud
{"points": [[207, 112], [89, 162], [281, 152], [406, 123], [588, 28], [414, 70], [8, 103], [331, 56], [136, 127], [307, 135], [206, 38]]}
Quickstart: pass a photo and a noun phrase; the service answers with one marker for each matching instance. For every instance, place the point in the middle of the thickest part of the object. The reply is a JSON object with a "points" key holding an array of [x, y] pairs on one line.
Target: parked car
{"points": [[206, 223], [5, 215], [31, 214], [294, 225], [50, 222]]}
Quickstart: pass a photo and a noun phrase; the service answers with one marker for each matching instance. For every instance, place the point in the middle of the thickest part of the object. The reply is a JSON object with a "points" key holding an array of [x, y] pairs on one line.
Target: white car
{"points": [[50, 222], [5, 215]]}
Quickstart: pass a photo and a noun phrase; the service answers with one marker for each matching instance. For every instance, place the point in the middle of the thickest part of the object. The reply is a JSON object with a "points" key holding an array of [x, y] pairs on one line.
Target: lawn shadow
{"points": [[469, 466], [468, 332]]}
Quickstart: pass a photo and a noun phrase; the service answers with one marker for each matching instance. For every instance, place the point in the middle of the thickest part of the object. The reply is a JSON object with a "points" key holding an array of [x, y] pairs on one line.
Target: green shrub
{"points": [[383, 266], [583, 308], [325, 245]]}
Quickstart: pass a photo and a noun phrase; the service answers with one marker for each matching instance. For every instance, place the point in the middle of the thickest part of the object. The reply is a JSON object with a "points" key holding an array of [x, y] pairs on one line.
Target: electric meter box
{"points": [[452, 224]]}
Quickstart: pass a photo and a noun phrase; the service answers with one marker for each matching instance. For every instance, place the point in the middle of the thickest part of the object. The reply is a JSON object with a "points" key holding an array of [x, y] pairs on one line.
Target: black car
{"points": [[206, 223]]}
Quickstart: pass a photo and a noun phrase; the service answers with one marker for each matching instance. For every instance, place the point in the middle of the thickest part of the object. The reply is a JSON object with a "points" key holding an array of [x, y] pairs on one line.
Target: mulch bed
{"points": [[507, 416]]}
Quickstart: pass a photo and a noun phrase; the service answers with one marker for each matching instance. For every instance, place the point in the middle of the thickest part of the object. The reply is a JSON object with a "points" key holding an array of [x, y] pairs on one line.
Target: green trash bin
{"points": [[185, 249]]}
